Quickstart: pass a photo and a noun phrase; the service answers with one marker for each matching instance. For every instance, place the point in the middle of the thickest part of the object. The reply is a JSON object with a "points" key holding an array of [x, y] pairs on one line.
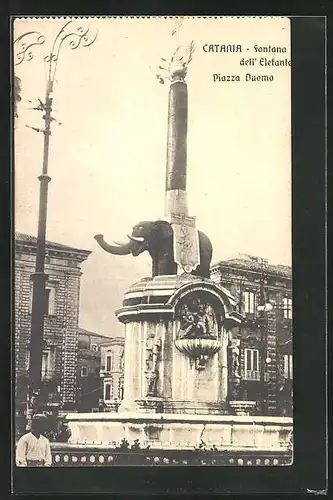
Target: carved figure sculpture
{"points": [[156, 237], [156, 354], [234, 351], [197, 319], [152, 362]]}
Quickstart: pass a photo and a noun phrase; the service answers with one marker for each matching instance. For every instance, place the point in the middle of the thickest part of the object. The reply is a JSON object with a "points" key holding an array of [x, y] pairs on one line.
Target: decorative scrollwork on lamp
{"points": [[23, 46], [75, 38]]}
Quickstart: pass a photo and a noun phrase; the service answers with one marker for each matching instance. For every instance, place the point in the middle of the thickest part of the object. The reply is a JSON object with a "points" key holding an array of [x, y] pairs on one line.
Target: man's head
{"points": [[38, 424]]}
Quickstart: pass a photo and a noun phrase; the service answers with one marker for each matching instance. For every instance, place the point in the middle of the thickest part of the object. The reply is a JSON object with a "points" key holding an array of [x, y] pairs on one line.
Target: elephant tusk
{"points": [[120, 244], [138, 239]]}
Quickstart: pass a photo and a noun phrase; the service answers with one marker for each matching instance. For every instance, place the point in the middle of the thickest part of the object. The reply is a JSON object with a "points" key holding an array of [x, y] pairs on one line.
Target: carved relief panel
{"points": [[197, 319], [200, 324]]}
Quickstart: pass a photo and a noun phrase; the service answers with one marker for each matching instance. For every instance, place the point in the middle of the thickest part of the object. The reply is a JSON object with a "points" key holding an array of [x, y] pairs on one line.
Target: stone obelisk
{"points": [[186, 246], [176, 164]]}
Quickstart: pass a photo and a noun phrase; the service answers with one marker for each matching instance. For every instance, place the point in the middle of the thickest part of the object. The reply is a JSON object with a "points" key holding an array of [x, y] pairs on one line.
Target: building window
{"points": [[84, 371], [94, 347], [47, 364], [27, 359], [107, 392], [31, 296], [121, 388], [252, 359], [287, 307], [288, 366], [251, 364], [108, 363], [50, 300], [249, 302]]}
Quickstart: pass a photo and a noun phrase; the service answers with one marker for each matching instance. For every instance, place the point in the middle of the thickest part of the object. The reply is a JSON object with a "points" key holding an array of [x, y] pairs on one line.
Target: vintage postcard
{"points": [[153, 258]]}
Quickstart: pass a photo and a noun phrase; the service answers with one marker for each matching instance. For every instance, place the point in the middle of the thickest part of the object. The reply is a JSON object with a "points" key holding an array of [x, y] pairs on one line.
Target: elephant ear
{"points": [[161, 229]]}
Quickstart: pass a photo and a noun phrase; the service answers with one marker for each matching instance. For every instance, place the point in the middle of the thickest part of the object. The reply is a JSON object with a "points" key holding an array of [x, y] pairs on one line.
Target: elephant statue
{"points": [[157, 238]]}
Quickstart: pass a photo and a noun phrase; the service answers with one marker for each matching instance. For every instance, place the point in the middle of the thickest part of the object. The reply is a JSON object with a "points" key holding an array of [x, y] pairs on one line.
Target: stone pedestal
{"points": [[176, 340], [234, 388], [242, 407], [177, 432], [113, 406]]}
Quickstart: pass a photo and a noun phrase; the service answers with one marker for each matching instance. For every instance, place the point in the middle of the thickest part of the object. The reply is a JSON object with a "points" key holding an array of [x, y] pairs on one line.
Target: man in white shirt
{"points": [[33, 449]]}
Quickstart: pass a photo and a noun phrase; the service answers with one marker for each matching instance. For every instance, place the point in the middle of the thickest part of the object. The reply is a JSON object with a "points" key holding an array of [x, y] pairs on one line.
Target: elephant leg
{"points": [[205, 270], [166, 266], [163, 266], [173, 268], [206, 252], [202, 270], [154, 268]]}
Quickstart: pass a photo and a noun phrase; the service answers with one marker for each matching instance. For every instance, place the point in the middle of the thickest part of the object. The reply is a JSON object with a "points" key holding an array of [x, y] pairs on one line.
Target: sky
{"points": [[107, 158]]}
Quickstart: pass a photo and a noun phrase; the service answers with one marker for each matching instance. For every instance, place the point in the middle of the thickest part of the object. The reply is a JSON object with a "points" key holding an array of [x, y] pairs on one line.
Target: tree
{"points": [[17, 88]]}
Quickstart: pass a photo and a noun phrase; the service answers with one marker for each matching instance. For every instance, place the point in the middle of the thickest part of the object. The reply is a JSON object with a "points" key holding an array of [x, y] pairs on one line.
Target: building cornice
{"points": [[113, 341], [233, 267], [27, 244]]}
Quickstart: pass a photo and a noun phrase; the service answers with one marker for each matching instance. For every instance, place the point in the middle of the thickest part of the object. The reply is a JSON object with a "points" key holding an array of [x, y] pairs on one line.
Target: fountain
{"points": [[178, 327]]}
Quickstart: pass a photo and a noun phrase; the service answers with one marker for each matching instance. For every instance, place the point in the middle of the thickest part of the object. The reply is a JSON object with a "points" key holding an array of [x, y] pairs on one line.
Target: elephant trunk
{"points": [[124, 249]]}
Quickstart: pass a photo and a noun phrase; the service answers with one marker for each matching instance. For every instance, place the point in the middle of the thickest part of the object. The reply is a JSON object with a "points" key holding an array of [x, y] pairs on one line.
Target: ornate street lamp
{"points": [[23, 51]]}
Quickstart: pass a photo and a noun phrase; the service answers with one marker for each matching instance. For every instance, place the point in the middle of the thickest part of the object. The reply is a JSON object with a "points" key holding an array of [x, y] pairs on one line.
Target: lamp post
{"points": [[23, 51], [263, 308]]}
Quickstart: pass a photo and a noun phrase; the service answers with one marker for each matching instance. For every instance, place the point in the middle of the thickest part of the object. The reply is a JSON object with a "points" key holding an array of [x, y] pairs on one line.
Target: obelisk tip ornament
{"points": [[186, 246]]}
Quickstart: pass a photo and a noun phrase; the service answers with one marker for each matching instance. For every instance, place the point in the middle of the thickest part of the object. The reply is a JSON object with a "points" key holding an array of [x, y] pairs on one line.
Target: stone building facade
{"points": [[263, 342], [60, 344], [89, 383], [112, 372]]}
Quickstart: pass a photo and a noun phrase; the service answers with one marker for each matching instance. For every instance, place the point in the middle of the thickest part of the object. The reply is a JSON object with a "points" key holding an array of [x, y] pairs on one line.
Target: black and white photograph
{"points": [[153, 321]]}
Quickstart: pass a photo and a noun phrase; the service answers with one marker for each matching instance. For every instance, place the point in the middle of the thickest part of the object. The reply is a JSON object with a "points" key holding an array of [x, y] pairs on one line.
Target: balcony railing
{"points": [[251, 375], [254, 375], [66, 455], [47, 375]]}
